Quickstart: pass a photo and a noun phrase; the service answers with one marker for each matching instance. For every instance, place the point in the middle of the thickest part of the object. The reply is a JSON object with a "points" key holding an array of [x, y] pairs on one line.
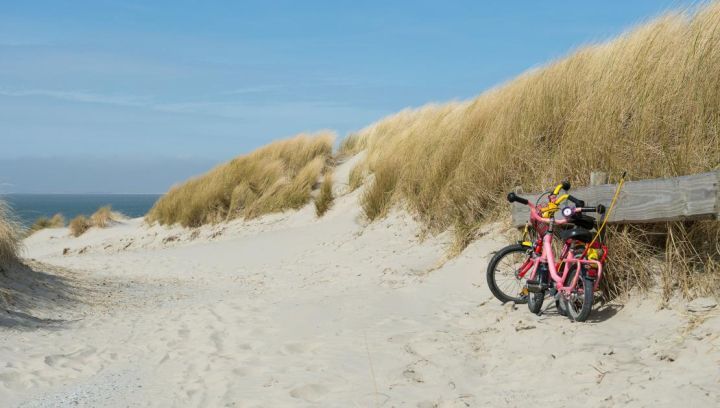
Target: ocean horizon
{"points": [[29, 207]]}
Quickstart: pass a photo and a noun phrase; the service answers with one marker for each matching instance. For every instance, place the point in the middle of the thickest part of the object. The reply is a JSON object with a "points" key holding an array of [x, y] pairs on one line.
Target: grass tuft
{"points": [[376, 200], [325, 198], [357, 176], [350, 145], [56, 221], [10, 236], [104, 217], [79, 225]]}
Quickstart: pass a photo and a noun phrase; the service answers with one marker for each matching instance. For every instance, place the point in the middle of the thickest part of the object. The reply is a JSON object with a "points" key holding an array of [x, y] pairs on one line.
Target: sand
{"points": [[291, 310]]}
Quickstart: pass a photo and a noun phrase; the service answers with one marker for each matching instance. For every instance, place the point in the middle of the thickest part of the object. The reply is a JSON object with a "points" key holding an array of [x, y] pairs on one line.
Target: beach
{"points": [[260, 205], [292, 310]]}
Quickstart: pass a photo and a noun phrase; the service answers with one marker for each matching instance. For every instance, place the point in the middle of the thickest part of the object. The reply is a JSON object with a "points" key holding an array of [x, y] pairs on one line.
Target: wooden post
{"points": [[598, 177]]}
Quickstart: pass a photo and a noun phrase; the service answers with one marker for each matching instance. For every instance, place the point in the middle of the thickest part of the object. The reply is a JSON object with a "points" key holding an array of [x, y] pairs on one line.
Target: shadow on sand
{"points": [[35, 295], [601, 313], [604, 312]]}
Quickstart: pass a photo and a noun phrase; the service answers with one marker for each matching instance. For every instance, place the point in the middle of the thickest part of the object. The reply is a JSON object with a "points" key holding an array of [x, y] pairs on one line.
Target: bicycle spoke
{"points": [[506, 278]]}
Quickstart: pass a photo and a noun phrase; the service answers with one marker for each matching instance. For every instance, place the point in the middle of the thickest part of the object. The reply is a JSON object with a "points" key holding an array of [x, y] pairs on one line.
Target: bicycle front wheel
{"points": [[579, 305], [504, 274]]}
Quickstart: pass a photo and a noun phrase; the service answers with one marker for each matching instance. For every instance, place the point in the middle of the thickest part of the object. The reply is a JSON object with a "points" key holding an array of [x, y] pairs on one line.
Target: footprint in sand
{"points": [[309, 392], [244, 371], [74, 358], [297, 348]]}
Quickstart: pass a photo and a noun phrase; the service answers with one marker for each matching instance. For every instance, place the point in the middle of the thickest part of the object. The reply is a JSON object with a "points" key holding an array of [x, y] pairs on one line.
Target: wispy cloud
{"points": [[233, 105], [81, 96]]}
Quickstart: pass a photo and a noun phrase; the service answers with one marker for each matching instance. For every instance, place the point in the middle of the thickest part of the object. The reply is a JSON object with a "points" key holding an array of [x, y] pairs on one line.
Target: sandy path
{"points": [[292, 311]]}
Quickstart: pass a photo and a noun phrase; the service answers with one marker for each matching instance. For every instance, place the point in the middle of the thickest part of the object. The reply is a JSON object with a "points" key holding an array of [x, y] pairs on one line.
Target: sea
{"points": [[29, 207]]}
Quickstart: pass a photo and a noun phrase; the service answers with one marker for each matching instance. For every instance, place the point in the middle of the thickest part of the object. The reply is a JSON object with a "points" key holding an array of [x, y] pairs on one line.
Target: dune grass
{"points": [[273, 178], [357, 176], [79, 225], [647, 102], [56, 221], [10, 236], [324, 199], [102, 218], [105, 216]]}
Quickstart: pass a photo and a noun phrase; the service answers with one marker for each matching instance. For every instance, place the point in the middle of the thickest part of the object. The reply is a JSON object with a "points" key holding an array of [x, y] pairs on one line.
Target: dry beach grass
{"points": [[324, 199], [647, 102], [10, 235], [273, 178], [102, 218], [79, 225], [56, 221]]}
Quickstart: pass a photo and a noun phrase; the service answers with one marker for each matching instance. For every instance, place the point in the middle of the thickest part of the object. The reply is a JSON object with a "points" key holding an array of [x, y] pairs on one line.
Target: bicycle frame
{"points": [[567, 258]]}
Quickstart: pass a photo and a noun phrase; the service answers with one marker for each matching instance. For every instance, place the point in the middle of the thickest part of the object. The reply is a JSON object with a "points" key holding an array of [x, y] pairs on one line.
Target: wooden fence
{"points": [[670, 199]]}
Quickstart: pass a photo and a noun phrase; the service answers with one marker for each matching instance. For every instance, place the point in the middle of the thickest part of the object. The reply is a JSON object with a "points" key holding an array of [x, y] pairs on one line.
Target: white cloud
{"points": [[229, 109], [82, 96]]}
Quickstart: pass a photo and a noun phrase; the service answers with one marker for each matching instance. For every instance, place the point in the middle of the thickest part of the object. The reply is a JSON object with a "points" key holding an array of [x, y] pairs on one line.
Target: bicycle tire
{"points": [[535, 302], [582, 313], [492, 276]]}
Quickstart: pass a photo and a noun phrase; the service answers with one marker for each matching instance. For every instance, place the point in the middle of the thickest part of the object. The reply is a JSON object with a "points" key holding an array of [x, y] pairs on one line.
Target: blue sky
{"points": [[133, 96]]}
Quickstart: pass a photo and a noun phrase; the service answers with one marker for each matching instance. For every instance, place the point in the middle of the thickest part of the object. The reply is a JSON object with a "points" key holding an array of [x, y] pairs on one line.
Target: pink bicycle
{"points": [[534, 269]]}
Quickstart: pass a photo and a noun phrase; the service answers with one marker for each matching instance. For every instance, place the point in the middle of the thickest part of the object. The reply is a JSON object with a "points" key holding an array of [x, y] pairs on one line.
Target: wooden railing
{"points": [[690, 197]]}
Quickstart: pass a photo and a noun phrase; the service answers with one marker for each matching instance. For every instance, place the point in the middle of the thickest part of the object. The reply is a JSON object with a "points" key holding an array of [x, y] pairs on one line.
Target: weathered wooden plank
{"points": [[690, 197]]}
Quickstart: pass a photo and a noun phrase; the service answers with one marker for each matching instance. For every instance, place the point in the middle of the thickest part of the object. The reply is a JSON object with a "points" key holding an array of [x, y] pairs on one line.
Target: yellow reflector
{"points": [[593, 254]]}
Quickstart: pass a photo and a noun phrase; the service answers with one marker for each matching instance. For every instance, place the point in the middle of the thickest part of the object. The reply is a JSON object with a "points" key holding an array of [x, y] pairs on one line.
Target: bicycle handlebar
{"points": [[578, 202], [600, 209], [512, 197], [535, 210], [565, 185]]}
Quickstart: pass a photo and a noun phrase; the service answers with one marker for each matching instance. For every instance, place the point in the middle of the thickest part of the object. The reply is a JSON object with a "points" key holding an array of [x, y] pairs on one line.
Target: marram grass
{"points": [[274, 178], [10, 236], [647, 102]]}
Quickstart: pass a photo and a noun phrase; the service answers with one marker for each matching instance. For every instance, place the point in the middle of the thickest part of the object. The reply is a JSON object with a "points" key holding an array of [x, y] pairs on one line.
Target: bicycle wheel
{"points": [[502, 274], [579, 306], [536, 299]]}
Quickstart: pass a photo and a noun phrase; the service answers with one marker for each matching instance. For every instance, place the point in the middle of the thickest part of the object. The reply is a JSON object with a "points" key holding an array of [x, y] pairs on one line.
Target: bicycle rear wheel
{"points": [[503, 274]]}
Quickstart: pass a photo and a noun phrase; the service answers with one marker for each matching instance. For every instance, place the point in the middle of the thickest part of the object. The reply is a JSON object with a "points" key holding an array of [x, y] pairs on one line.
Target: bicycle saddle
{"points": [[577, 234], [584, 221]]}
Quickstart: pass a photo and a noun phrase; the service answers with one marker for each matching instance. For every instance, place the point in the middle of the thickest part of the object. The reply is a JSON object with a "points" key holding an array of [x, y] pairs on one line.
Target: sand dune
{"points": [[291, 310]]}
